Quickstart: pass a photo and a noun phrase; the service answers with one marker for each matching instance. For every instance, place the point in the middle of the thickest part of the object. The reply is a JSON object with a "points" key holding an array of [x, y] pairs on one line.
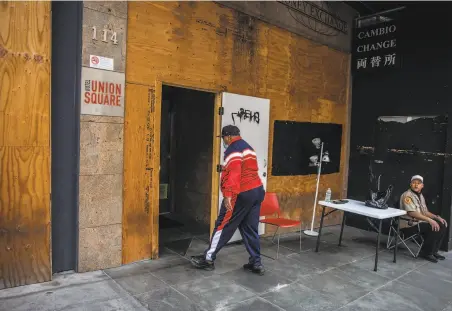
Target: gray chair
{"points": [[406, 234]]}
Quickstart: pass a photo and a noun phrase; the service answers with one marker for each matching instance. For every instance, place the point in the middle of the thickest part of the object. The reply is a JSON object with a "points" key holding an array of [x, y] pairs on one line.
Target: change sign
{"points": [[375, 47], [102, 92]]}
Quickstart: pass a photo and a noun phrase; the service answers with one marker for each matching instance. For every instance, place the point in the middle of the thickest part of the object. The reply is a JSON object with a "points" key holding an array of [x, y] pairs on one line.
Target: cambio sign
{"points": [[375, 47]]}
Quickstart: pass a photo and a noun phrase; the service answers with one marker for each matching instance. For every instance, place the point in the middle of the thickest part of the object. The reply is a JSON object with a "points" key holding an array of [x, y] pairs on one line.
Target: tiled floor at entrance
{"points": [[336, 278]]}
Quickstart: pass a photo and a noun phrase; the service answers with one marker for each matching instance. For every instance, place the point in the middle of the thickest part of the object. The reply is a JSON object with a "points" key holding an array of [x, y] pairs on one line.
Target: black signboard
{"points": [[375, 47], [296, 148]]}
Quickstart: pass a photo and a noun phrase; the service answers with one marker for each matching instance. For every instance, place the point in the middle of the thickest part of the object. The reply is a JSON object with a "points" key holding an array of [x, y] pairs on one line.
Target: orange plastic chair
{"points": [[270, 207]]}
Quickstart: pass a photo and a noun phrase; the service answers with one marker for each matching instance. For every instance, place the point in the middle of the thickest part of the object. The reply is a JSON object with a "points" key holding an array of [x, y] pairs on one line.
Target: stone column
{"points": [[101, 137]]}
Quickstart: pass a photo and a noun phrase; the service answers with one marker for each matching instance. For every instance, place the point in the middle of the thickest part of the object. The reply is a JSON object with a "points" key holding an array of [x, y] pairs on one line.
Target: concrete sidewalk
{"points": [[336, 278]]}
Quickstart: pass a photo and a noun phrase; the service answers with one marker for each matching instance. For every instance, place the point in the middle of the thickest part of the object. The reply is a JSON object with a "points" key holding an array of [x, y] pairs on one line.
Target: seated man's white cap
{"points": [[417, 177]]}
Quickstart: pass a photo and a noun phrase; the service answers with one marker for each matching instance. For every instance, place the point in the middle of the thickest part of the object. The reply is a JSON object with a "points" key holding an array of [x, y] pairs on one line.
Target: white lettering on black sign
{"points": [[377, 32], [375, 47]]}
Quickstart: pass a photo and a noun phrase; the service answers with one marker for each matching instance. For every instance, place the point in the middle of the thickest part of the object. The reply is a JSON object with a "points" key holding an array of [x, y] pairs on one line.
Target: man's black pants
{"points": [[432, 239], [245, 217]]}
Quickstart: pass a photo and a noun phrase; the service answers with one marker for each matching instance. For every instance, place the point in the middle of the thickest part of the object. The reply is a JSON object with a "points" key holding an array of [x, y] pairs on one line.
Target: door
{"points": [[252, 116]]}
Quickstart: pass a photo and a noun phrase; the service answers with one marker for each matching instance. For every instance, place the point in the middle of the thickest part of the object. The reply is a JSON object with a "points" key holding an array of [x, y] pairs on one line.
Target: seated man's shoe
{"points": [[429, 257], [200, 262], [254, 268], [439, 257]]}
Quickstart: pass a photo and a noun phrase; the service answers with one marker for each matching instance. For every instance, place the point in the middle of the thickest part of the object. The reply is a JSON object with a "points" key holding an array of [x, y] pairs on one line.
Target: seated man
{"points": [[432, 227]]}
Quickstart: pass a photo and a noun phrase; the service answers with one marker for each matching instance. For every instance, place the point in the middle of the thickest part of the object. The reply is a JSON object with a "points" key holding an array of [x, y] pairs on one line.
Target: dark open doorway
{"points": [[186, 146]]}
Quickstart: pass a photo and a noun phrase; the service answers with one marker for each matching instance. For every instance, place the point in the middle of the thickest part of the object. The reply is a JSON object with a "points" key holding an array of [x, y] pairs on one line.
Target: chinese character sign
{"points": [[375, 47]]}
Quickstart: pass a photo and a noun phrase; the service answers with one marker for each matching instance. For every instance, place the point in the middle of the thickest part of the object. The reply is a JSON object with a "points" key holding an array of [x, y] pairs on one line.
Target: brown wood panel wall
{"points": [[207, 46], [138, 220], [25, 42]]}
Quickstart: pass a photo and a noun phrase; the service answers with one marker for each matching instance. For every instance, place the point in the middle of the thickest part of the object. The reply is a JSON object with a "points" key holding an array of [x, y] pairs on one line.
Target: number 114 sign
{"points": [[105, 35]]}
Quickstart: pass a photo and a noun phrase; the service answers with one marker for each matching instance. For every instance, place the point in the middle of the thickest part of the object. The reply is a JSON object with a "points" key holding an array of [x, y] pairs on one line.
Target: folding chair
{"points": [[270, 207], [404, 235]]}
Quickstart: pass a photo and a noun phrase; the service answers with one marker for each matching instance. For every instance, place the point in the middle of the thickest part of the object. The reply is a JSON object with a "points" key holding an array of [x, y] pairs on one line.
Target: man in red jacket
{"points": [[243, 194]]}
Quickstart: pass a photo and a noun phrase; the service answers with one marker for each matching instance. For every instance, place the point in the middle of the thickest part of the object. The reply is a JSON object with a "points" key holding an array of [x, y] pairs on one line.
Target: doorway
{"points": [[186, 148]]}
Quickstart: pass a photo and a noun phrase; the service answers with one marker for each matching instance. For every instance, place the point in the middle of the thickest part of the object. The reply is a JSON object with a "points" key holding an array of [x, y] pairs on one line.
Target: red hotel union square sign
{"points": [[102, 92]]}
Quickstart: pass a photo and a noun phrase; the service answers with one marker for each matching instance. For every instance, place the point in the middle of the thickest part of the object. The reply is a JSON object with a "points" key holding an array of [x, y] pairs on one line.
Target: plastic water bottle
{"points": [[328, 195]]}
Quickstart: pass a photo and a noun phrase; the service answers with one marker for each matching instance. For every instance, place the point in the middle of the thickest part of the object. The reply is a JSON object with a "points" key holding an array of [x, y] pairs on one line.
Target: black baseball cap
{"points": [[230, 130]]}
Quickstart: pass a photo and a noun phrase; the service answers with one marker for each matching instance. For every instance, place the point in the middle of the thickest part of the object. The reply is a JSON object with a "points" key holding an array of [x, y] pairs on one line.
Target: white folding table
{"points": [[359, 208]]}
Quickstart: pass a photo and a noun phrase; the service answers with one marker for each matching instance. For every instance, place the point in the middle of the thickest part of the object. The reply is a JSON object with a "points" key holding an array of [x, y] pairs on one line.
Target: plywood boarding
{"points": [[25, 38], [138, 173], [155, 109], [215, 162], [204, 45]]}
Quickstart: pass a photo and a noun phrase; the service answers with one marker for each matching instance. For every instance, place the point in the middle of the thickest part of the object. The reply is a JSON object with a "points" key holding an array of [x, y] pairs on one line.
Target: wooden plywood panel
{"points": [[314, 83], [25, 219], [24, 75], [174, 22], [25, 28], [345, 157], [207, 46], [24, 143], [215, 162], [155, 102], [24, 101], [195, 48], [138, 173]]}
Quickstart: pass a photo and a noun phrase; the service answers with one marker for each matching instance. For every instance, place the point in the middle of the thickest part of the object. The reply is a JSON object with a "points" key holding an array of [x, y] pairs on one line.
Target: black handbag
{"points": [[379, 199]]}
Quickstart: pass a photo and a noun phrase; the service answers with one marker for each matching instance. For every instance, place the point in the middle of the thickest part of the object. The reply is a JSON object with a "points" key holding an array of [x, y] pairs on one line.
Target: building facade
{"points": [[84, 186]]}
